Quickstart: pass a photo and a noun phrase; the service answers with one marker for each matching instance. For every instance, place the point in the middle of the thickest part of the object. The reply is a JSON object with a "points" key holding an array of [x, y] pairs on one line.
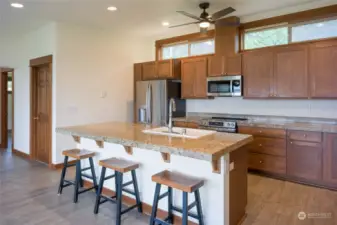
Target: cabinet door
{"points": [[149, 71], [330, 158], [304, 160], [233, 65], [216, 66], [323, 67], [137, 71], [187, 79], [257, 73], [291, 72], [165, 69], [200, 79]]}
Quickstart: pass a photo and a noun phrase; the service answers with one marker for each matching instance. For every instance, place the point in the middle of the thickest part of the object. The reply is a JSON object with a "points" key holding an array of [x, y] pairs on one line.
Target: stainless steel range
{"points": [[221, 124]]}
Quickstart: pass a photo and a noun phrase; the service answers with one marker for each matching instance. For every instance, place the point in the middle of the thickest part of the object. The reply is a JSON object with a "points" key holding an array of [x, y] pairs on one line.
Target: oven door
{"points": [[219, 86]]}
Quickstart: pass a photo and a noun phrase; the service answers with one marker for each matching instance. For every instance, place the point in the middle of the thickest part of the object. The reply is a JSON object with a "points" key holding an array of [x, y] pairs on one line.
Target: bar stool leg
{"points": [[100, 188], [63, 174], [185, 209], [135, 186], [170, 205], [199, 209], [119, 197], [81, 180], [77, 180], [155, 204], [94, 179]]}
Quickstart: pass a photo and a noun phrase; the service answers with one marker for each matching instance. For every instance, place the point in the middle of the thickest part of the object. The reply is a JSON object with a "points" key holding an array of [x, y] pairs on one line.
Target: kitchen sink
{"points": [[180, 132]]}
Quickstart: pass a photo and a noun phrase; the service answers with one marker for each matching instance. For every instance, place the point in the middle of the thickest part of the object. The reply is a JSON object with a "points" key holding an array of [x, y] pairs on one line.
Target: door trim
{"points": [[35, 63]]}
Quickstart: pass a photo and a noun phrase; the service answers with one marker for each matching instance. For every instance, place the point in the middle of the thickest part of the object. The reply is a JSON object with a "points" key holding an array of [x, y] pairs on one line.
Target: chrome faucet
{"points": [[172, 108]]}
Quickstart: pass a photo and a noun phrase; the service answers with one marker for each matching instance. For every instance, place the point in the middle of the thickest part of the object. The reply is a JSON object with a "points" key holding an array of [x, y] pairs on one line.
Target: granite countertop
{"points": [[207, 148], [288, 123]]}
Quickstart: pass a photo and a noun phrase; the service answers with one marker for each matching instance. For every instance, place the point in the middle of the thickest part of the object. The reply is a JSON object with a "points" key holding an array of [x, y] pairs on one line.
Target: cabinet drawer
{"points": [[267, 163], [264, 132], [305, 136], [180, 124], [270, 146], [192, 125]]}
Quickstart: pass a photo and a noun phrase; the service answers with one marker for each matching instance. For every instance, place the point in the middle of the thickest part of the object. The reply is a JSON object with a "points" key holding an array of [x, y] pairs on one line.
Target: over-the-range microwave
{"points": [[224, 86]]}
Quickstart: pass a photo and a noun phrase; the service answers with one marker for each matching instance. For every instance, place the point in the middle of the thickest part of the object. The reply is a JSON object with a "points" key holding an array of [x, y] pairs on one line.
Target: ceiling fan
{"points": [[205, 20]]}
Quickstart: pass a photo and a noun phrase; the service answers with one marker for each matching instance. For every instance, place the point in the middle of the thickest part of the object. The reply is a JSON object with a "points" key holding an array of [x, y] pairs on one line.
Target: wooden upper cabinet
{"points": [[169, 69], [137, 71], [187, 79], [330, 159], [233, 65], [323, 69], [257, 73], [216, 66], [291, 72], [220, 65], [149, 71], [194, 78], [200, 81]]}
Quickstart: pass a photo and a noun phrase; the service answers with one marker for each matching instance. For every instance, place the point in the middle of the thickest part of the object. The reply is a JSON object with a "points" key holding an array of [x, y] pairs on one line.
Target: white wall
{"points": [[16, 52], [91, 62]]}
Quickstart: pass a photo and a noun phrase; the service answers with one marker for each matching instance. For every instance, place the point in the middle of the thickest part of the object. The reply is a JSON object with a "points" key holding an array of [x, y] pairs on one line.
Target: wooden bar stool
{"points": [[120, 166], [78, 154], [180, 182]]}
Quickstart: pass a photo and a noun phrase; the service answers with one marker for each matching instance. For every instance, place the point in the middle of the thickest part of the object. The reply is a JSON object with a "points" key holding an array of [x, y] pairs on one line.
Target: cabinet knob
{"points": [[291, 142], [260, 145], [261, 161], [260, 131], [305, 135]]}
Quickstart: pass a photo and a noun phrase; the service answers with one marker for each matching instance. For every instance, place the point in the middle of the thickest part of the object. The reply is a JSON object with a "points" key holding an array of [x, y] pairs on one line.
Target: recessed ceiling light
{"points": [[165, 23], [320, 25], [112, 8], [17, 5]]}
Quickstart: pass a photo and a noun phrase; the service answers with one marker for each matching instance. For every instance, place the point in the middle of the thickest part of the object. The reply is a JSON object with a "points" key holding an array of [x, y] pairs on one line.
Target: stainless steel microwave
{"points": [[224, 86]]}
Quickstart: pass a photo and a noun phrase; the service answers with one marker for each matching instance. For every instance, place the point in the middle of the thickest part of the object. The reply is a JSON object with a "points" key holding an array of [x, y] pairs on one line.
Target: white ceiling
{"points": [[140, 16]]}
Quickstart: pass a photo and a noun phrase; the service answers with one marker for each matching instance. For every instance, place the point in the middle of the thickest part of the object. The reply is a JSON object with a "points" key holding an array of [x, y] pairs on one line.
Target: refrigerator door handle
{"points": [[149, 112]]}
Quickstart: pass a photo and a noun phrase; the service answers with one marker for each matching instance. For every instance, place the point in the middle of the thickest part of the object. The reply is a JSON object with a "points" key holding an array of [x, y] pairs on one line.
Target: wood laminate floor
{"points": [[28, 196]]}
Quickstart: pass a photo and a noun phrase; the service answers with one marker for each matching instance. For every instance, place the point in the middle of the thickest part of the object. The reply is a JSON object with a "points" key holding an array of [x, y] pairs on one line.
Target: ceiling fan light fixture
{"points": [[165, 23], [17, 5], [112, 8], [204, 24]]}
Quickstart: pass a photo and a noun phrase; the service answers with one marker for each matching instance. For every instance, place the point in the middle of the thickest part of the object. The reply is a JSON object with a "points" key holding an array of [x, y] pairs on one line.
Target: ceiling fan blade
{"points": [[189, 15], [222, 13], [183, 24]]}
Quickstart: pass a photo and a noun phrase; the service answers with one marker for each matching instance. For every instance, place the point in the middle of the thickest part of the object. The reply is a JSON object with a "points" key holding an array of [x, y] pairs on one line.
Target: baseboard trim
{"points": [[147, 209], [59, 166], [20, 154]]}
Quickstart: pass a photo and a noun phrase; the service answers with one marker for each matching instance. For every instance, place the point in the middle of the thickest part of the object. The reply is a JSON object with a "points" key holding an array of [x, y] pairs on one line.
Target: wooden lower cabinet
{"points": [[267, 163], [270, 146], [304, 160], [186, 124], [330, 159]]}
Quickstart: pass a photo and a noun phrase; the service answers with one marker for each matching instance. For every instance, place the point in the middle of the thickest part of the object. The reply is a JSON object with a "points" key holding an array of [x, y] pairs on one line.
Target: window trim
{"points": [[289, 26]]}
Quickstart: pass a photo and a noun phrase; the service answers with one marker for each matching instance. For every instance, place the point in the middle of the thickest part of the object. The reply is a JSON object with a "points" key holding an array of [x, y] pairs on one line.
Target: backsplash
{"points": [[238, 105]]}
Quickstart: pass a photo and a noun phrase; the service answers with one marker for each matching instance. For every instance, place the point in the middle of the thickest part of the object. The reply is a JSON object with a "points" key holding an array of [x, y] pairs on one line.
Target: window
{"points": [[318, 30], [285, 34], [266, 37], [188, 49]]}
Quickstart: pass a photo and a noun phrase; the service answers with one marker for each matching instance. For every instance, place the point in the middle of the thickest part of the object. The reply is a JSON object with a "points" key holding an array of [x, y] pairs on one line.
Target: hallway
{"points": [[28, 196]]}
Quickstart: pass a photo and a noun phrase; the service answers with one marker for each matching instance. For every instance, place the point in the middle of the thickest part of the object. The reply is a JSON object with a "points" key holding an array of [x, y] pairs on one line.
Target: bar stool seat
{"points": [[120, 166], [78, 154], [181, 182]]}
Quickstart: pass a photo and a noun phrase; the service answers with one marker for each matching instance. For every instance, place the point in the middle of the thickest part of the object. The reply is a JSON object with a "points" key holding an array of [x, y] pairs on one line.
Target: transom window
{"points": [[289, 33], [186, 49]]}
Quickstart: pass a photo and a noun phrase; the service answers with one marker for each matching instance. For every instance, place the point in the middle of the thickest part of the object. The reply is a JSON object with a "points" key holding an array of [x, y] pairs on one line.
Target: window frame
{"points": [[289, 26]]}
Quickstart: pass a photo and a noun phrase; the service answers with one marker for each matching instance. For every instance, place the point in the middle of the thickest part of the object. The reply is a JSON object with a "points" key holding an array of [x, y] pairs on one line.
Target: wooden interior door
{"points": [[42, 113], [291, 72], [258, 73]]}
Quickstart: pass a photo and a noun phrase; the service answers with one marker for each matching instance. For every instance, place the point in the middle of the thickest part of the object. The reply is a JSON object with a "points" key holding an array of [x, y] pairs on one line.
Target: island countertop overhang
{"points": [[208, 148]]}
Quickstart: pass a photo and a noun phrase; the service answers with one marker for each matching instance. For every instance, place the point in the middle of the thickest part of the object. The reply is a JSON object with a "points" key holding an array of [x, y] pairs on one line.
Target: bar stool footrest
{"points": [[86, 190], [110, 177], [161, 222], [70, 165], [127, 183], [129, 191], [181, 211], [85, 169], [163, 195], [129, 209], [87, 176]]}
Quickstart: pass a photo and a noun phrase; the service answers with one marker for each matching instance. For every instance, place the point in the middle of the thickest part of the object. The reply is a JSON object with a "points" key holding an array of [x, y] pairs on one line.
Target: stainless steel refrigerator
{"points": [[152, 101]]}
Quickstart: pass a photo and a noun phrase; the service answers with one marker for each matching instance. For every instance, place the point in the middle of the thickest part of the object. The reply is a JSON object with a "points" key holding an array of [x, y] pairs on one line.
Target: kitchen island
{"points": [[220, 159]]}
